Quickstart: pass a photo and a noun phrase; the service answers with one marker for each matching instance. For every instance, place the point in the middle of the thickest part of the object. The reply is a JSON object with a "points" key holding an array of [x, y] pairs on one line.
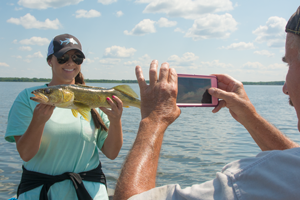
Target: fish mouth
{"points": [[38, 97]]}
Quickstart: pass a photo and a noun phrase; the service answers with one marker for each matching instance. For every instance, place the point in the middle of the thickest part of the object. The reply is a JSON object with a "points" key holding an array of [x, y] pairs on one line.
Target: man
{"points": [[270, 175]]}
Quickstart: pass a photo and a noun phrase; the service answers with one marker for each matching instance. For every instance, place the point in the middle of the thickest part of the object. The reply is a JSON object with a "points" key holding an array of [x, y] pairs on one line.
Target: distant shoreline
{"points": [[15, 79]]}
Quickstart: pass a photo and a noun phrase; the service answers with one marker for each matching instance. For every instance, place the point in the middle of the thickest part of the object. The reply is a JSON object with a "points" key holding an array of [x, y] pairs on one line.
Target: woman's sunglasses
{"points": [[78, 59]]}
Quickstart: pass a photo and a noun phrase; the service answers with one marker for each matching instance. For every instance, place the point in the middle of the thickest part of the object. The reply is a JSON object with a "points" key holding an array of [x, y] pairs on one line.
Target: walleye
{"points": [[81, 98]]}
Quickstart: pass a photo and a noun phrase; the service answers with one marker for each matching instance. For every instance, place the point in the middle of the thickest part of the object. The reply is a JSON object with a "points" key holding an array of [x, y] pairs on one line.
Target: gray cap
{"points": [[62, 44], [293, 25]]}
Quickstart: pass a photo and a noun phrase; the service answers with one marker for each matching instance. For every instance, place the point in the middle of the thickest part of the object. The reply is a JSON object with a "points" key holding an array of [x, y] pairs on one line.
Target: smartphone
{"points": [[193, 90]]}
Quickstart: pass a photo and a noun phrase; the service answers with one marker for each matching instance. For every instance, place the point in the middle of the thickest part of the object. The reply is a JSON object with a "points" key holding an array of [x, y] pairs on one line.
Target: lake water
{"points": [[196, 146]]}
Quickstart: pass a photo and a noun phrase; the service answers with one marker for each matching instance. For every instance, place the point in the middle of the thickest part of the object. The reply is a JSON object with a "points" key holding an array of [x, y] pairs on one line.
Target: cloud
{"points": [[179, 30], [35, 41], [119, 13], [118, 52], [3, 64], [106, 2], [143, 61], [164, 22], [36, 55], [264, 53], [239, 46], [273, 33], [109, 62], [87, 14], [28, 21], [42, 4], [258, 66], [25, 48], [187, 59], [142, 28], [215, 64], [212, 26], [19, 57], [188, 9]]}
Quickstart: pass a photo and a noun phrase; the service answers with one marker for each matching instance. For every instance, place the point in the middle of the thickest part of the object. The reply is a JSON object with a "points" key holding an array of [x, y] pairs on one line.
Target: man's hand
{"points": [[158, 99], [233, 97]]}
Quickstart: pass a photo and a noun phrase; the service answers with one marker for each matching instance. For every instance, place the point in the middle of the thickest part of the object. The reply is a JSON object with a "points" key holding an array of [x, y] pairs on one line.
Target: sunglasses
{"points": [[78, 59]]}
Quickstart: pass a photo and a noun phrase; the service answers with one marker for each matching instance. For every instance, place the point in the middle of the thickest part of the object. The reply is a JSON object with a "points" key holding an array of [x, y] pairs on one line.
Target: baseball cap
{"points": [[62, 44], [293, 25]]}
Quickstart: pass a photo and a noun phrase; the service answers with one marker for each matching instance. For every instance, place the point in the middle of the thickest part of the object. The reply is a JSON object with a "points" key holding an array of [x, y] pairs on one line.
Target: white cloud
{"points": [[212, 26], [188, 9], [119, 13], [19, 57], [42, 4], [3, 64], [273, 33], [28, 21], [88, 61], [109, 62], [179, 30], [215, 64], [187, 59], [143, 61], [259, 66], [87, 14], [36, 55], [106, 2], [25, 48], [142, 28], [35, 41], [264, 53], [119, 52], [239, 46], [164, 22]]}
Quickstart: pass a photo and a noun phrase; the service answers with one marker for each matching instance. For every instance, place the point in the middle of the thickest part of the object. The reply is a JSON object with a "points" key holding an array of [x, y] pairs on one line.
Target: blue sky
{"points": [[244, 39]]}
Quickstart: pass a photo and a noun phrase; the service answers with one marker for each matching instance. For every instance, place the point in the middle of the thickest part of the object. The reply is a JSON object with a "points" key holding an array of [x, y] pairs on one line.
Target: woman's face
{"points": [[64, 73]]}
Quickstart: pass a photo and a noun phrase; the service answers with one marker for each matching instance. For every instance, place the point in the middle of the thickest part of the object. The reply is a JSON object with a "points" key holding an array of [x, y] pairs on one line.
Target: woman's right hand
{"points": [[42, 113]]}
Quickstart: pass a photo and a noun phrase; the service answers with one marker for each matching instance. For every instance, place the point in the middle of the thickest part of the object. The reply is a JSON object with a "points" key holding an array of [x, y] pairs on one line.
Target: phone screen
{"points": [[194, 90]]}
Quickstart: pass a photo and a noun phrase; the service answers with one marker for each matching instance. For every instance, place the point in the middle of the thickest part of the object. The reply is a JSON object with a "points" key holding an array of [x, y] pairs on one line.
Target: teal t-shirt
{"points": [[69, 144]]}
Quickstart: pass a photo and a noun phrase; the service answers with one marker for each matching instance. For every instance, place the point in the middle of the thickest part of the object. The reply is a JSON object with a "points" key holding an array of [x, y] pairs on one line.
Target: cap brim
{"points": [[65, 50]]}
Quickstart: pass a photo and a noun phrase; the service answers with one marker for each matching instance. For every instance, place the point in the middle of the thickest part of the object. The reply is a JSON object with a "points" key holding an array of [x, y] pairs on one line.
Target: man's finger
{"points": [[140, 78], [164, 72], [172, 76], [153, 72], [221, 105]]}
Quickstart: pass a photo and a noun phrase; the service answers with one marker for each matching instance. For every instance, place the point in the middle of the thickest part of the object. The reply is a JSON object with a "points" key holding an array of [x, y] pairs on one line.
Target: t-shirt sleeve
{"points": [[219, 188], [19, 116], [102, 134]]}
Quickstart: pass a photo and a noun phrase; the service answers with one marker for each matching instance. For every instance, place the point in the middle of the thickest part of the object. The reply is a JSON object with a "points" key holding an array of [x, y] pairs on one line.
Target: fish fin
{"points": [[126, 106], [83, 110], [74, 112], [127, 90]]}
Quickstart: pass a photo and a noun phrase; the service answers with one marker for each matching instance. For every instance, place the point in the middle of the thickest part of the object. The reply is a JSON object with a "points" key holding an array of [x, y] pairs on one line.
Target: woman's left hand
{"points": [[114, 115]]}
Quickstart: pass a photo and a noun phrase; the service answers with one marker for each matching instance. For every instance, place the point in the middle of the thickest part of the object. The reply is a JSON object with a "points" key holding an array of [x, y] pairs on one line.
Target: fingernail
{"points": [[107, 98], [113, 96]]}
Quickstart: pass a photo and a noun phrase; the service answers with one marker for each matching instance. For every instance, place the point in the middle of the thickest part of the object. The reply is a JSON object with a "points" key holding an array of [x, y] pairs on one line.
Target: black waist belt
{"points": [[31, 180]]}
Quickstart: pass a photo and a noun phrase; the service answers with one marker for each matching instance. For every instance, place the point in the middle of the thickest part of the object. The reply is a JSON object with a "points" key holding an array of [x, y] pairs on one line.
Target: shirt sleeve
{"points": [[219, 188], [102, 134], [19, 116]]}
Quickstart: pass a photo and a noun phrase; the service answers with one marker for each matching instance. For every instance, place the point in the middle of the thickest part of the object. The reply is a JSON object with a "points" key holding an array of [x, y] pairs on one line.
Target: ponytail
{"points": [[99, 124]]}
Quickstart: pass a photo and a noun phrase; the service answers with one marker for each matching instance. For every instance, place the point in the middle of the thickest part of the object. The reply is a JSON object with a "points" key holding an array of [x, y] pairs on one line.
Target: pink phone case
{"points": [[214, 83]]}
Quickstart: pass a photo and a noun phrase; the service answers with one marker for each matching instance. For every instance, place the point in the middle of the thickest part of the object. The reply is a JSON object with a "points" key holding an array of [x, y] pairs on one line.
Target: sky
{"points": [[244, 39]]}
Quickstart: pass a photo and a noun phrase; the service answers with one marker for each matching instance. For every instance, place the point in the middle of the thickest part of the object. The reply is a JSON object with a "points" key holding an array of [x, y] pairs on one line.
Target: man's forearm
{"points": [[267, 136], [139, 171]]}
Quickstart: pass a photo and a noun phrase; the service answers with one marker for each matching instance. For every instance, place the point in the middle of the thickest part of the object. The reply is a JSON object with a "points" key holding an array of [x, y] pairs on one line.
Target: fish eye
{"points": [[47, 91]]}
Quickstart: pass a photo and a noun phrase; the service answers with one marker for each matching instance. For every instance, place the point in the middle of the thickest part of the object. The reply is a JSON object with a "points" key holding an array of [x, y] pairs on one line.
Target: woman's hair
{"points": [[99, 124]]}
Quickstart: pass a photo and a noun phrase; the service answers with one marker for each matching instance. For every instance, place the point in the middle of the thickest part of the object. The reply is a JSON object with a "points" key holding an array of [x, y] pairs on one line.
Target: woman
{"points": [[60, 152]]}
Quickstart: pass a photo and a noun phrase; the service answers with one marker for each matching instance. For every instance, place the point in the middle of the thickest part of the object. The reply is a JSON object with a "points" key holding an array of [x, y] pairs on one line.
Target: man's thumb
{"points": [[220, 94]]}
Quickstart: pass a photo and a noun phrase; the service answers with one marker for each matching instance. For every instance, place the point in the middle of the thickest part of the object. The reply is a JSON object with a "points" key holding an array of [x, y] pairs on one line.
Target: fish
{"points": [[68, 40], [81, 98]]}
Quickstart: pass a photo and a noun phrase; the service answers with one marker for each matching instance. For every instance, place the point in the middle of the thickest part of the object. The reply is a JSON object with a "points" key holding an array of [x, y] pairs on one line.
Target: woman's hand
{"points": [[42, 113], [114, 115]]}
